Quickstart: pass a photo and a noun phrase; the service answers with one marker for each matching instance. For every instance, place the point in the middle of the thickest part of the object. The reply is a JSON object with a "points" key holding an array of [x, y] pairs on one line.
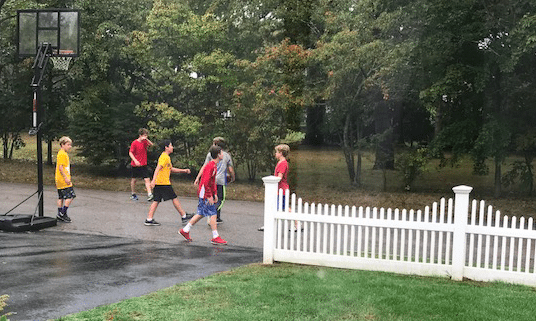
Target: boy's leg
{"points": [[221, 199], [133, 185], [149, 221], [148, 188], [178, 207]]}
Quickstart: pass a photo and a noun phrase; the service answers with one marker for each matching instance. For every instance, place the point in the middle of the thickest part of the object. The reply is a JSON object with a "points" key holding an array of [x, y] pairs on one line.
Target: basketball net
{"points": [[61, 63]]}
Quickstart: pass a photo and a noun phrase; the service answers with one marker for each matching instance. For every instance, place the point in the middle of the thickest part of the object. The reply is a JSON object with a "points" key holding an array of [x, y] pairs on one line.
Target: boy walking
{"points": [[138, 156], [162, 189], [207, 198], [63, 180], [224, 166], [281, 170]]}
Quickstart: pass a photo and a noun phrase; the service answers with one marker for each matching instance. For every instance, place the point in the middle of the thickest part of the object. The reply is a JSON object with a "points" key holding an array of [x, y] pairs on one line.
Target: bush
{"points": [[412, 163]]}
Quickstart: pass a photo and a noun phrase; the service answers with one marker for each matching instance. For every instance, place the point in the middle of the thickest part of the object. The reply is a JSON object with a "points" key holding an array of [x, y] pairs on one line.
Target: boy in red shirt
{"points": [[138, 155], [281, 170], [208, 198]]}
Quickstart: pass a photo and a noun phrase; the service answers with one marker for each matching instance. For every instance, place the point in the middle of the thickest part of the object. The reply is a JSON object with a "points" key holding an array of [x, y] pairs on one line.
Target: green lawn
{"points": [[295, 292]]}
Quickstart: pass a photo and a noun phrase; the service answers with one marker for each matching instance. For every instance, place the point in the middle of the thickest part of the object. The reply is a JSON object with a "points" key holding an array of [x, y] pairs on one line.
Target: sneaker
{"points": [[150, 197], [151, 223], [261, 229], [218, 241], [189, 215], [63, 217], [134, 197], [219, 221], [185, 235], [185, 219]]}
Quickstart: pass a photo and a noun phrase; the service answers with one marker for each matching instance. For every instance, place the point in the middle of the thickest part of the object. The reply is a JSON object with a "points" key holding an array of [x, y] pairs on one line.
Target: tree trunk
{"points": [[383, 123], [49, 152], [357, 179], [498, 189], [348, 149]]}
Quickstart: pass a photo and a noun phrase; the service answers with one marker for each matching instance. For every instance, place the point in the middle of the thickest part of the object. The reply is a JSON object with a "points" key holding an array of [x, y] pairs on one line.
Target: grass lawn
{"points": [[295, 292]]}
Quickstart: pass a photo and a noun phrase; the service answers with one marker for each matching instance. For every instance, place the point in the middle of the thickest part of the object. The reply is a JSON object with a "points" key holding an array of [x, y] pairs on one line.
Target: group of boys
{"points": [[211, 181]]}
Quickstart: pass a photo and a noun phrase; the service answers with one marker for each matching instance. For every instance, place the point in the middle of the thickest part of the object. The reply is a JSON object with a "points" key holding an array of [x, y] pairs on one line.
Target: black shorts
{"points": [[140, 172], [163, 193], [66, 193]]}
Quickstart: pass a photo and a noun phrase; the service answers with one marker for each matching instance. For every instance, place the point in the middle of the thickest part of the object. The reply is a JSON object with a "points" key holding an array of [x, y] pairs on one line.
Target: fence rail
{"points": [[453, 238]]}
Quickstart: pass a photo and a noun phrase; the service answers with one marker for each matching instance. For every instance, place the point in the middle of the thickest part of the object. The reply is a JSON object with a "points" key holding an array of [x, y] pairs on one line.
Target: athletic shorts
{"points": [[66, 193], [282, 201], [163, 193], [140, 172], [205, 209]]}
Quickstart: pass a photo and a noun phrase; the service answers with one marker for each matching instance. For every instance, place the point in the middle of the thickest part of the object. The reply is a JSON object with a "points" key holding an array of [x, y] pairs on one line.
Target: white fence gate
{"points": [[444, 240]]}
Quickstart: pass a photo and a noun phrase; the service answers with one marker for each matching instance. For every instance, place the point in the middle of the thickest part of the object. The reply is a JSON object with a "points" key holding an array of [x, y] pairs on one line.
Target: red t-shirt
{"points": [[139, 150], [282, 167], [207, 183]]}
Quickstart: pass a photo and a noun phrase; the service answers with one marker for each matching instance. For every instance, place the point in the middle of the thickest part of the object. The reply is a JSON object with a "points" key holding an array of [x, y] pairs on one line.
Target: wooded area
{"points": [[409, 79]]}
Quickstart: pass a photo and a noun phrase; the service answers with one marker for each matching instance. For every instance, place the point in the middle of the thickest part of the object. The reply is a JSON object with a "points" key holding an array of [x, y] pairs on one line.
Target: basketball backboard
{"points": [[58, 27]]}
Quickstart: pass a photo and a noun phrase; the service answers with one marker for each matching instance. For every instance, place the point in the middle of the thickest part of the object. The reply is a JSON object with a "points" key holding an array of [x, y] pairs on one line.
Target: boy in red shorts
{"points": [[208, 198]]}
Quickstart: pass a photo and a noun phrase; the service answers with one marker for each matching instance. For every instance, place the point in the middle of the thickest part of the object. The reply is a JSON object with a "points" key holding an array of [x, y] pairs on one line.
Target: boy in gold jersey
{"points": [[63, 180], [162, 189]]}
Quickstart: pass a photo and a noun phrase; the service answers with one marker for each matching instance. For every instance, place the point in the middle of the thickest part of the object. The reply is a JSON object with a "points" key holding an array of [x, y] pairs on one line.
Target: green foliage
{"points": [[412, 164], [165, 122], [3, 304], [493, 141]]}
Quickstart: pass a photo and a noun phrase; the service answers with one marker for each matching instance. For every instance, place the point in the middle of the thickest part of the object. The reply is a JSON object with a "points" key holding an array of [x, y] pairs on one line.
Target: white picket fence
{"points": [[445, 240]]}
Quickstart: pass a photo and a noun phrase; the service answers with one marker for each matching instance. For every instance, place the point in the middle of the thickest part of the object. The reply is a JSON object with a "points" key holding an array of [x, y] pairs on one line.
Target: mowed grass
{"points": [[296, 292], [322, 177]]}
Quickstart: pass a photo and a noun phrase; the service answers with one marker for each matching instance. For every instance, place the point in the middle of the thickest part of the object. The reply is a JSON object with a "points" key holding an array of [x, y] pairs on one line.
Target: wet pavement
{"points": [[107, 255]]}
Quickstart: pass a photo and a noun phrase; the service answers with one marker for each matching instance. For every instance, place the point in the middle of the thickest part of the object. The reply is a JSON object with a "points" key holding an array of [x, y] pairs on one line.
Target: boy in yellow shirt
{"points": [[162, 189], [63, 180]]}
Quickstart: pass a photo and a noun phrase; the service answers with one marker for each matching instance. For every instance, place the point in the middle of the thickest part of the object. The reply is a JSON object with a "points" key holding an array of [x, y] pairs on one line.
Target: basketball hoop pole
{"points": [[41, 59]]}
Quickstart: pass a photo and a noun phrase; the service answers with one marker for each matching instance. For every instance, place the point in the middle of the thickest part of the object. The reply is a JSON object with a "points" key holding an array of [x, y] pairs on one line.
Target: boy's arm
{"points": [[133, 158], [180, 170], [64, 174], [153, 181], [231, 171], [196, 182]]}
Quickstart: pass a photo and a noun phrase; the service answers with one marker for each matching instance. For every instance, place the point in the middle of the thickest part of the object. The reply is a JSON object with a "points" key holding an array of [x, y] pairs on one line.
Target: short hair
{"points": [[165, 143], [220, 141], [64, 140], [214, 151], [284, 149], [143, 131]]}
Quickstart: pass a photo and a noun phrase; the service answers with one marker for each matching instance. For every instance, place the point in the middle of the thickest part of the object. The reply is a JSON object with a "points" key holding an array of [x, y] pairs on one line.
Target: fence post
{"points": [[270, 207], [459, 246]]}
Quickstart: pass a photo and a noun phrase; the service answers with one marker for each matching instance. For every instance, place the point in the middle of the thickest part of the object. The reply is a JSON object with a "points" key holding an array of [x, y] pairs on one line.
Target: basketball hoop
{"points": [[61, 63]]}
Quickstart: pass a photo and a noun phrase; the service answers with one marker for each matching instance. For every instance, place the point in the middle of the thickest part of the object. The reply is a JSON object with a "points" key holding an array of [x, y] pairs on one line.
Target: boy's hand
{"points": [[211, 200], [67, 181], [136, 162], [153, 183], [187, 171]]}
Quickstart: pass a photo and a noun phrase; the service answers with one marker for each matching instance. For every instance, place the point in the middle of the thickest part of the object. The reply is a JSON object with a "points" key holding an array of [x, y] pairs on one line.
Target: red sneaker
{"points": [[185, 235], [218, 241]]}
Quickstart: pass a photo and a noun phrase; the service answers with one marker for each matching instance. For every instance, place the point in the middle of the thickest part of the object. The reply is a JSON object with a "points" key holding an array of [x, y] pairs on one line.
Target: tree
{"points": [[361, 50]]}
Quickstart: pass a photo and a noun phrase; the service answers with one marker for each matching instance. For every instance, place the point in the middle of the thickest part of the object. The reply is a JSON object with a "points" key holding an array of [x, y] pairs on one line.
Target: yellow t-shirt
{"points": [[162, 177], [62, 159]]}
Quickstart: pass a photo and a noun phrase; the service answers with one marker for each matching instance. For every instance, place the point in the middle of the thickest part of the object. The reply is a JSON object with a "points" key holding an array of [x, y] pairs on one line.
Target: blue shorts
{"points": [[205, 209], [283, 203]]}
